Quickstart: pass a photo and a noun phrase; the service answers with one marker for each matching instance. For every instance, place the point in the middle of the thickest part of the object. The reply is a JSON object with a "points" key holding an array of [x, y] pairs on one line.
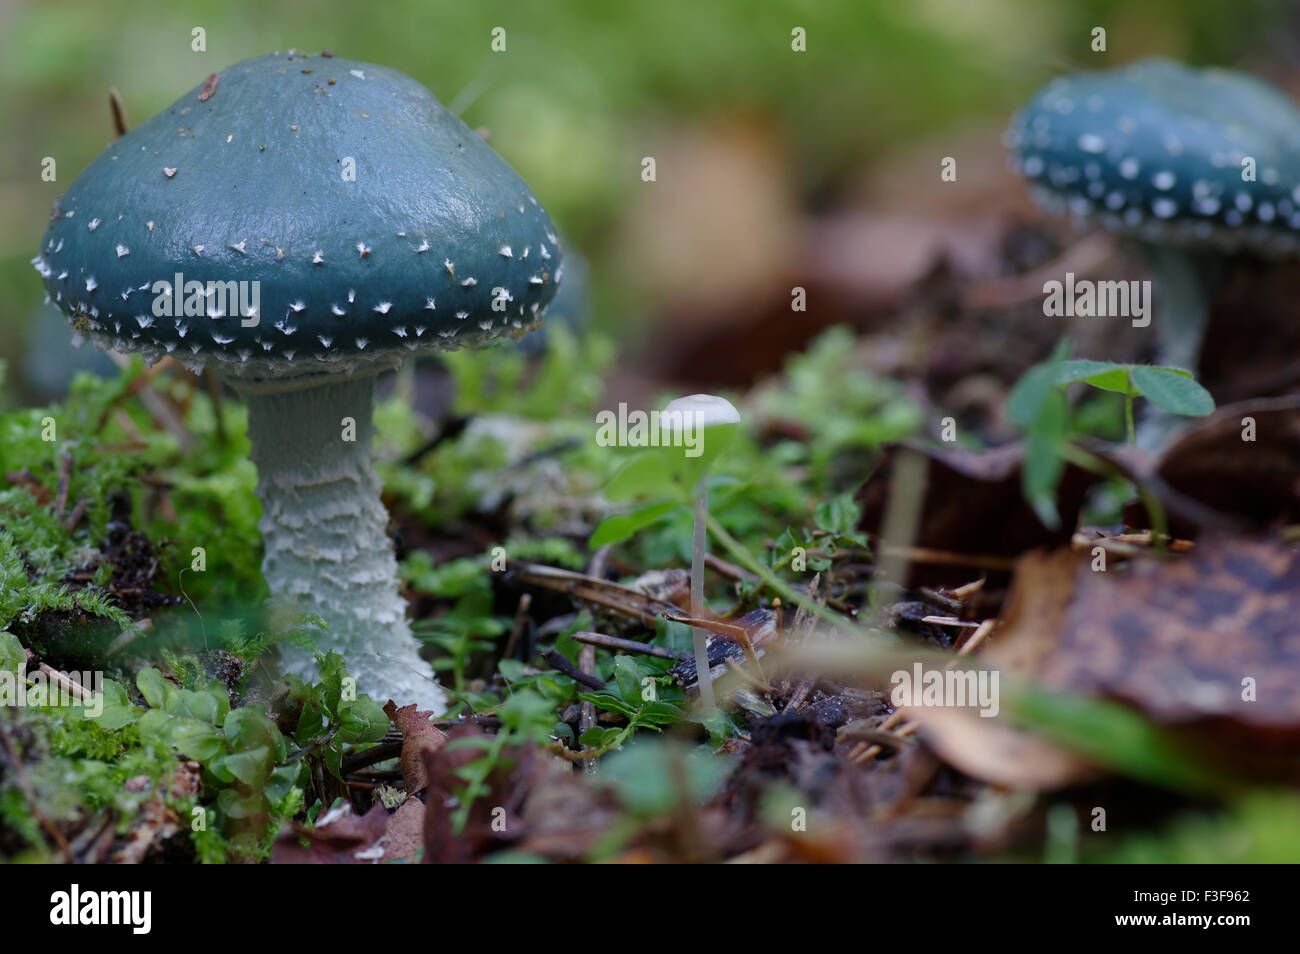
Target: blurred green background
{"points": [[588, 87]]}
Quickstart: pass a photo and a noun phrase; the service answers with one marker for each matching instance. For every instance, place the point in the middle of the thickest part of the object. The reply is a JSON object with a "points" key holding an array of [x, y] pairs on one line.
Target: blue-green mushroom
{"points": [[300, 223], [1194, 164]]}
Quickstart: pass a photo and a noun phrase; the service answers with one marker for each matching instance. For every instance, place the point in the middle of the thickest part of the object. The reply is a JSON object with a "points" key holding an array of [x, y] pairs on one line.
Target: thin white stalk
{"points": [[700, 635]]}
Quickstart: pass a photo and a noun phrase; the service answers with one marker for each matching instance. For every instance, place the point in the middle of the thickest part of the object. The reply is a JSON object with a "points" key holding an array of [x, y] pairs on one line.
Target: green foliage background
{"points": [[585, 87]]}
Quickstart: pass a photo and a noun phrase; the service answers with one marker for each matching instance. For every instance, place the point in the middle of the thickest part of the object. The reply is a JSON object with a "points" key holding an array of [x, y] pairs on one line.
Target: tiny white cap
{"points": [[700, 410]]}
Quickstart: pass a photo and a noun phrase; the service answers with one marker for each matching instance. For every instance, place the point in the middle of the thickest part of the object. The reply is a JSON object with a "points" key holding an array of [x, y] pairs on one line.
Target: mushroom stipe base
{"points": [[324, 528]]}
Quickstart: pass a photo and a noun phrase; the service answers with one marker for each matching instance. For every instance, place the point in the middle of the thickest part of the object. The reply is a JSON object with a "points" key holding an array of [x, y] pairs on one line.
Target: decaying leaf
{"points": [[1210, 637], [1242, 462], [419, 736], [993, 751], [973, 505], [405, 832], [340, 837]]}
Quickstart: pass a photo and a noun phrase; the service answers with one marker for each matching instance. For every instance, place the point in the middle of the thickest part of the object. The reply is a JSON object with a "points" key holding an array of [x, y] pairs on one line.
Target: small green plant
{"points": [[636, 694], [841, 410], [251, 774], [834, 532], [245, 758], [526, 716], [333, 715], [658, 485], [468, 627], [1038, 406]]}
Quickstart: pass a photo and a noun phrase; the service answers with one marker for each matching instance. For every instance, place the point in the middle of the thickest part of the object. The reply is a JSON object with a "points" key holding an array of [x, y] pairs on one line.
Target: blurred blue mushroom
{"points": [[570, 305], [1194, 164], [51, 360]]}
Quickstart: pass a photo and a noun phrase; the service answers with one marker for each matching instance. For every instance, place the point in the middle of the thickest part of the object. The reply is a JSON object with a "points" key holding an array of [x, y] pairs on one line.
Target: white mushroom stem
{"points": [[324, 529], [1185, 281], [696, 416], [699, 634]]}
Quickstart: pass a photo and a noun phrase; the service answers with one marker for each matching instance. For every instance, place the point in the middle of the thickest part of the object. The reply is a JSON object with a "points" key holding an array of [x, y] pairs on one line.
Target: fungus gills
{"points": [[324, 528]]}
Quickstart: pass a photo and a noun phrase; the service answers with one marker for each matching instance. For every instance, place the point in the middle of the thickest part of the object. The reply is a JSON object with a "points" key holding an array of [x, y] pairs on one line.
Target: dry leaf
{"points": [[1212, 464], [419, 736], [993, 751], [1214, 635], [973, 505], [405, 832]]}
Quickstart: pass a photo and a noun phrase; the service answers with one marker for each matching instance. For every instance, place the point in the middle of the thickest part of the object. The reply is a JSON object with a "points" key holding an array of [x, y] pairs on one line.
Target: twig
{"points": [[521, 620], [981, 633], [627, 645], [451, 429], [120, 125], [67, 683], [729, 570], [600, 561], [157, 406], [967, 590], [622, 599], [74, 518], [557, 661], [20, 778], [381, 752], [948, 621], [757, 683], [801, 627]]}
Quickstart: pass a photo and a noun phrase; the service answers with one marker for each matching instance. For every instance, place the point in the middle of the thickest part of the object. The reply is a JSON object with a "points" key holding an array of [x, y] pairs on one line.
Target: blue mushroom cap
{"points": [[1167, 153], [374, 222]]}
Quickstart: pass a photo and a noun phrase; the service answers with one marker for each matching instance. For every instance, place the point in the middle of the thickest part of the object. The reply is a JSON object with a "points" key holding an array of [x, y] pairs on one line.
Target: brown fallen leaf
{"points": [[1209, 639], [974, 506], [993, 751], [1212, 464], [405, 832], [340, 837], [494, 819], [419, 735]]}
